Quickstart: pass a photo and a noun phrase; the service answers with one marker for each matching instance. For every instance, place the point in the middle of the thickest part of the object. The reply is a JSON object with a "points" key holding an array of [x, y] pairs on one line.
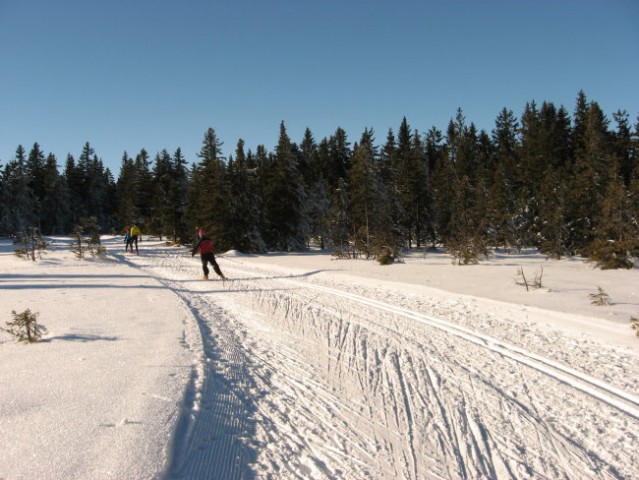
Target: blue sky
{"points": [[156, 74]]}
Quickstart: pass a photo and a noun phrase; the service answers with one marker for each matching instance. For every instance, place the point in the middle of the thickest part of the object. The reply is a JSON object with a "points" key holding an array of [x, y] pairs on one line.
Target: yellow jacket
{"points": [[135, 230]]}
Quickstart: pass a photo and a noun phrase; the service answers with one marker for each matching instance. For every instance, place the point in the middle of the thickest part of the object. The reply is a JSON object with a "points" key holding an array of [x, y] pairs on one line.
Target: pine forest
{"points": [[565, 185]]}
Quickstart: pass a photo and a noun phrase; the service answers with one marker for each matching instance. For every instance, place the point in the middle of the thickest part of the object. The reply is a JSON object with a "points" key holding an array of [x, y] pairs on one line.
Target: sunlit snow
{"points": [[304, 366]]}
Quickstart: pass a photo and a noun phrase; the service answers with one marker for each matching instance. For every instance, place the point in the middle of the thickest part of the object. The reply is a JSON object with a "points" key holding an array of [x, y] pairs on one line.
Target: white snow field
{"points": [[302, 366]]}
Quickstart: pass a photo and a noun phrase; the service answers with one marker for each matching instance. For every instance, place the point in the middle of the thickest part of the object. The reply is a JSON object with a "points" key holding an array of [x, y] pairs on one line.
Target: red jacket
{"points": [[205, 245]]}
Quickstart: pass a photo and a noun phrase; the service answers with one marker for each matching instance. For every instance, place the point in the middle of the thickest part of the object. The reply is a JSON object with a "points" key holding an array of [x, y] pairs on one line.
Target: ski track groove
{"points": [[273, 391], [611, 395]]}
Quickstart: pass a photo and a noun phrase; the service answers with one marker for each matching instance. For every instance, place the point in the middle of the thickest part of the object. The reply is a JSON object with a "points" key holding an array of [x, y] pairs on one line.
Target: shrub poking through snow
{"points": [[30, 243], [78, 250], [95, 248], [523, 281], [93, 245], [25, 327], [90, 225], [634, 324], [601, 298], [386, 256]]}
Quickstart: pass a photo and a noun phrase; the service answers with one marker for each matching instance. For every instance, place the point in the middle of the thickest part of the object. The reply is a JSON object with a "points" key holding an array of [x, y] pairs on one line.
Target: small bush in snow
{"points": [[95, 248], [601, 298], [634, 324], [25, 327], [521, 279], [464, 252], [78, 250], [31, 243], [386, 256], [93, 245]]}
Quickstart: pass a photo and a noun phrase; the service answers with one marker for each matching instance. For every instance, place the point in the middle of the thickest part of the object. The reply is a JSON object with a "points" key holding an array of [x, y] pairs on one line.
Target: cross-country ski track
{"points": [[300, 374]]}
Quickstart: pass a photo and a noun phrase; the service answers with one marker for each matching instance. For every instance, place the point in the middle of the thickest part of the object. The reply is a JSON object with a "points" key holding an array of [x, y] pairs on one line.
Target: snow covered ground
{"points": [[303, 366]]}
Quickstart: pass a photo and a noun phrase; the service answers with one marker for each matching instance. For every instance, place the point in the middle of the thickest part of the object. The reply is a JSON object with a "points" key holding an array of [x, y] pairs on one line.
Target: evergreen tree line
{"points": [[567, 186]]}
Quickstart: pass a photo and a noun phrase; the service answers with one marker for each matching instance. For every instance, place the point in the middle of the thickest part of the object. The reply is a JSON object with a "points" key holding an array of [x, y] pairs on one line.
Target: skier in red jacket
{"points": [[205, 249]]}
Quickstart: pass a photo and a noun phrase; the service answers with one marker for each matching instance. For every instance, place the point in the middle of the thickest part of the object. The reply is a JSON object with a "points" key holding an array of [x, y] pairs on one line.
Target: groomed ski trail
{"points": [[302, 377]]}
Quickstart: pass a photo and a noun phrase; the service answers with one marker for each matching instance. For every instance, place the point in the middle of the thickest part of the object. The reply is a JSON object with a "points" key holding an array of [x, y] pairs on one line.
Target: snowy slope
{"points": [[301, 366]]}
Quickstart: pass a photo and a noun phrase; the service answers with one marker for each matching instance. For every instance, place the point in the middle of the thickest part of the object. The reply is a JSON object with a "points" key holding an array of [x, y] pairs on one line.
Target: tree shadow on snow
{"points": [[45, 277], [64, 286], [75, 337]]}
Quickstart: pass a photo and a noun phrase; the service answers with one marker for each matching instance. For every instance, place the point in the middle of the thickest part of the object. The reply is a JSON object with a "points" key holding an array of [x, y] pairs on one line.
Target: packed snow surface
{"points": [[307, 367]]}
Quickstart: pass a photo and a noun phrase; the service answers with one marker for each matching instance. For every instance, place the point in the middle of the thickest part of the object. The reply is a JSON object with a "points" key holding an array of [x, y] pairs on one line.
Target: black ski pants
{"points": [[209, 258], [133, 240]]}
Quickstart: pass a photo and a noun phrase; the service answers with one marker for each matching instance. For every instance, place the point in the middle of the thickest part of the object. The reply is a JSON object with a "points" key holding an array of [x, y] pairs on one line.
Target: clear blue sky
{"points": [[156, 74]]}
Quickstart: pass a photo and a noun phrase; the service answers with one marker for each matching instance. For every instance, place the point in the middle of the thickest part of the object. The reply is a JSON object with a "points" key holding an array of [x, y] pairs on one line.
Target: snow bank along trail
{"points": [[303, 375]]}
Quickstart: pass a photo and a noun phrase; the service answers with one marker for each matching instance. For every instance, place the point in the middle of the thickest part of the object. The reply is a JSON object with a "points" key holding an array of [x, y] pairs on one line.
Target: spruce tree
{"points": [[589, 180], [415, 196], [505, 138], [82, 177], [177, 198], [414, 187], [369, 223], [340, 155], [389, 178], [444, 183], [486, 159], [527, 175], [195, 216], [481, 217], [340, 220], [544, 152], [307, 161], [550, 224], [317, 188], [433, 148], [168, 202], [422, 192], [74, 179], [556, 131], [208, 203], [616, 236], [537, 184], [98, 181], [35, 179], [19, 207], [284, 199], [317, 211], [126, 213], [500, 210], [463, 242], [55, 201], [405, 170], [433, 151], [624, 149], [579, 129], [143, 179], [462, 142], [161, 221], [244, 204], [261, 162]]}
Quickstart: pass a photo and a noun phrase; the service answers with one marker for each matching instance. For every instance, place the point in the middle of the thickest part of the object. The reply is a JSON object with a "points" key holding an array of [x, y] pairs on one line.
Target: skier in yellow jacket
{"points": [[135, 235]]}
